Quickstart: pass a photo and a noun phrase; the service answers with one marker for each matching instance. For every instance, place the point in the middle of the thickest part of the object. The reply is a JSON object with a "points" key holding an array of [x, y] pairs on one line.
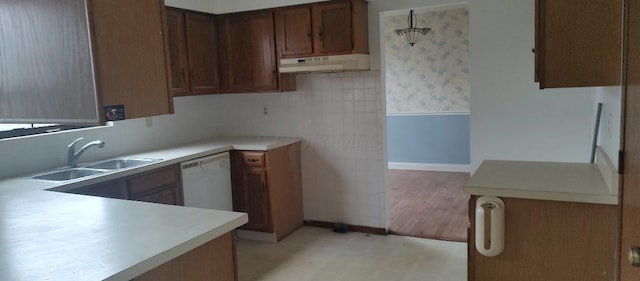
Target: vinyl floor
{"points": [[314, 254]]}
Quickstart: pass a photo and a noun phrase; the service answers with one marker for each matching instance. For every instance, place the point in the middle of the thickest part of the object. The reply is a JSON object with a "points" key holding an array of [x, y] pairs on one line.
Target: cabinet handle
{"points": [[191, 75], [184, 78], [634, 256], [489, 226], [321, 35], [253, 160]]}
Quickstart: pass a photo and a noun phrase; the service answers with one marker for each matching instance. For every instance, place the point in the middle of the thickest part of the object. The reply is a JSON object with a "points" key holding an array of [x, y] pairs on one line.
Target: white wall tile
{"points": [[342, 141]]}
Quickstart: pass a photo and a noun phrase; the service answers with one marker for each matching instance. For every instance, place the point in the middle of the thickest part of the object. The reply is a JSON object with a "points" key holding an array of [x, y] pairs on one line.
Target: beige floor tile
{"points": [[315, 254]]}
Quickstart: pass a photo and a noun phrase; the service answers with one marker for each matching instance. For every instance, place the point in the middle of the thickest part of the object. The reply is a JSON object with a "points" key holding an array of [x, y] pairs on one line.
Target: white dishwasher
{"points": [[207, 182]]}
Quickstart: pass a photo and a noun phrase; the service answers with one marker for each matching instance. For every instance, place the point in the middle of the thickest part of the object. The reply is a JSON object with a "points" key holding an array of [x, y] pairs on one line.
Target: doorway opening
{"points": [[427, 123]]}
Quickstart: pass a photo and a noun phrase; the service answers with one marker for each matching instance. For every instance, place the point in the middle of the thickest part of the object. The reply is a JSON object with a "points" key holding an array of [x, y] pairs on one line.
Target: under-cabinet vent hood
{"points": [[325, 63]]}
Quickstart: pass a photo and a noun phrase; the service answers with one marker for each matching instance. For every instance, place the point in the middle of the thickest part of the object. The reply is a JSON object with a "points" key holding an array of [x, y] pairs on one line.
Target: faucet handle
{"points": [[73, 143]]}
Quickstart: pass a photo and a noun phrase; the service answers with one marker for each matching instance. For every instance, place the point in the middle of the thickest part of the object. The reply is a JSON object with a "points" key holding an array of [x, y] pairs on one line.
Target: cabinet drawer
{"points": [[153, 180], [253, 159]]}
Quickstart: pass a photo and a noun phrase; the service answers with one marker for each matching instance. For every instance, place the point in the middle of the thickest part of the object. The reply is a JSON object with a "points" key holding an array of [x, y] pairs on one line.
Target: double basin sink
{"points": [[94, 169]]}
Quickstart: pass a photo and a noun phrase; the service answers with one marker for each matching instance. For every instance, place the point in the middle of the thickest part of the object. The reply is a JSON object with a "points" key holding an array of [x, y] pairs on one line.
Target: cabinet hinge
{"points": [[620, 162]]}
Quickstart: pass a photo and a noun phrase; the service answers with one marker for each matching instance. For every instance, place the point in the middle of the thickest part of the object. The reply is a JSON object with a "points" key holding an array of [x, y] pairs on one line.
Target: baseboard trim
{"points": [[429, 167], [255, 235], [351, 227]]}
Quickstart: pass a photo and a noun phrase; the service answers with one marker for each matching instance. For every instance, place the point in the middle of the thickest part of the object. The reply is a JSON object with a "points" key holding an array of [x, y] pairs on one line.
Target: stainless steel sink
{"points": [[117, 164], [69, 174], [94, 169]]}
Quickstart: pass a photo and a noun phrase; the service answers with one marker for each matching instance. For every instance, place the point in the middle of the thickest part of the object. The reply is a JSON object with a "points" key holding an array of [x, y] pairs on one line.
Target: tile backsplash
{"points": [[340, 117]]}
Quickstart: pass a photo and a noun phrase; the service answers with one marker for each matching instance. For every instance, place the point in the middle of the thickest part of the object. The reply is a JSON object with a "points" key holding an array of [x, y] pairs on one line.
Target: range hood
{"points": [[325, 64]]}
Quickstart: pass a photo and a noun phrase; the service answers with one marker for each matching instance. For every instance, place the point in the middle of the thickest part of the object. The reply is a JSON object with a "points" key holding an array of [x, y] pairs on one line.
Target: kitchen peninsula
{"points": [[48, 235], [561, 216]]}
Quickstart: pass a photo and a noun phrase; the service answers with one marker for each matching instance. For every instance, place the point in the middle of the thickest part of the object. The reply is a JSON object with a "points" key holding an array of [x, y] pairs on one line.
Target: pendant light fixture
{"points": [[412, 34]]}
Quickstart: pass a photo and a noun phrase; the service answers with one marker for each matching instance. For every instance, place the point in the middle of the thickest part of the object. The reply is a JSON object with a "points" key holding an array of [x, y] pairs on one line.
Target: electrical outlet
{"points": [[264, 110], [148, 121], [114, 112]]}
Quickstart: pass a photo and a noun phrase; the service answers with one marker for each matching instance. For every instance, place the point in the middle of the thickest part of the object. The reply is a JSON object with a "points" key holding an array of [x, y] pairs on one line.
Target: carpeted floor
{"points": [[429, 204]]}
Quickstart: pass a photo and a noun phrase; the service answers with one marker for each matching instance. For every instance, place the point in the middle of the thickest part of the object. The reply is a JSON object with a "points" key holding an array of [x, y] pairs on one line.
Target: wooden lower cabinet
{"points": [[158, 186], [111, 189], [267, 185], [250, 195], [170, 196], [161, 185], [551, 241], [213, 261]]}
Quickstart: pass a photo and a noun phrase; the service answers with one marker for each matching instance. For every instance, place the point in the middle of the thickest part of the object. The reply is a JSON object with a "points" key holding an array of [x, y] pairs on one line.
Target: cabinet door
{"points": [[551, 241], [256, 199], [46, 70], [214, 260], [202, 53], [247, 55], [333, 28], [129, 55], [177, 53], [250, 193], [293, 31], [578, 43]]}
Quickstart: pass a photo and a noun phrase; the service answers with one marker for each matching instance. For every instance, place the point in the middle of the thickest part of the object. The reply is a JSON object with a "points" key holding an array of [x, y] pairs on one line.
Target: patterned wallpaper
{"points": [[432, 76]]}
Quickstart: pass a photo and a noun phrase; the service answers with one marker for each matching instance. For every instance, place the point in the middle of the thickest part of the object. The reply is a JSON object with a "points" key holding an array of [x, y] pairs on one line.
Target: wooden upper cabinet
{"points": [[295, 34], [333, 27], [578, 43], [203, 53], [325, 28], [46, 70], [247, 52], [193, 52], [130, 56], [177, 53]]}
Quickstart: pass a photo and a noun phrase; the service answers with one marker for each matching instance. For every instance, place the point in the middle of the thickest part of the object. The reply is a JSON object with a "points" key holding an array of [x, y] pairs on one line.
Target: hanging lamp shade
{"points": [[412, 34]]}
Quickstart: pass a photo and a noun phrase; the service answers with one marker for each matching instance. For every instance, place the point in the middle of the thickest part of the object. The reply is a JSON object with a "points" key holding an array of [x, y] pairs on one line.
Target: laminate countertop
{"points": [[570, 182], [48, 235]]}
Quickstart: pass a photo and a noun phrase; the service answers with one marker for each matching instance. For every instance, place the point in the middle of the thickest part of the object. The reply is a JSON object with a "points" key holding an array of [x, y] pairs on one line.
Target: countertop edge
{"points": [[552, 181], [200, 149], [168, 255], [543, 195]]}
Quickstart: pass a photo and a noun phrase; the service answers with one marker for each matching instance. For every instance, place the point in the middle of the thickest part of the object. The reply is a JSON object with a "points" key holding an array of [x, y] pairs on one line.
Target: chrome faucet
{"points": [[72, 155]]}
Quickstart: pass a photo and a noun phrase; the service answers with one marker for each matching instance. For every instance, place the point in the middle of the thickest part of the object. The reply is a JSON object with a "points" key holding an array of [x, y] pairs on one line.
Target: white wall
{"points": [[609, 136], [511, 118], [192, 121]]}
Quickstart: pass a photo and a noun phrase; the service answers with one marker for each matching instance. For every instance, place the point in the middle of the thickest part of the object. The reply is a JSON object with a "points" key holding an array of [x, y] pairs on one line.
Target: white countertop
{"points": [[570, 182], [47, 235]]}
